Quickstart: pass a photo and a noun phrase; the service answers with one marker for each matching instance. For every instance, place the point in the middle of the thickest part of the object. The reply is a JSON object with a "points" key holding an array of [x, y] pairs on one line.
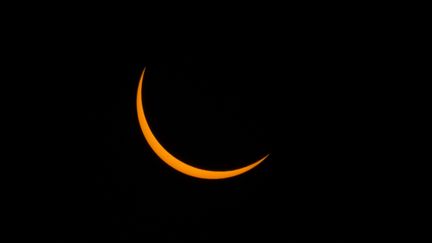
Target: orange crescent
{"points": [[173, 161]]}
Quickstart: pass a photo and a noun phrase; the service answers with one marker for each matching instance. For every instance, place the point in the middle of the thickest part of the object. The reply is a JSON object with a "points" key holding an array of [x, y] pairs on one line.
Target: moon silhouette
{"points": [[172, 161]]}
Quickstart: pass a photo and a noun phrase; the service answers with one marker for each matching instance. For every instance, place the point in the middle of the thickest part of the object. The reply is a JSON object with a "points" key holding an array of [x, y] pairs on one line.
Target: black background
{"points": [[220, 95]]}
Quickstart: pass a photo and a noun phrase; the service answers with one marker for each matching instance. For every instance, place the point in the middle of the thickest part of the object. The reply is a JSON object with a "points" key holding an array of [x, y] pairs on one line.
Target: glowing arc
{"points": [[172, 161]]}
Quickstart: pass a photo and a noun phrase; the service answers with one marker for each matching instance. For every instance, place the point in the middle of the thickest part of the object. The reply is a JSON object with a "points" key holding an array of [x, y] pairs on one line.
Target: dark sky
{"points": [[219, 97]]}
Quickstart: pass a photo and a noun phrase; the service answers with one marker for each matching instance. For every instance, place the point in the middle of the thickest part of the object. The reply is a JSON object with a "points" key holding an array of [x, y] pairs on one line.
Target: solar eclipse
{"points": [[174, 162]]}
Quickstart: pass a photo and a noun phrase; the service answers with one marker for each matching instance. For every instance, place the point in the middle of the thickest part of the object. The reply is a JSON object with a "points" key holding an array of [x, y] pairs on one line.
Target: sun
{"points": [[172, 161]]}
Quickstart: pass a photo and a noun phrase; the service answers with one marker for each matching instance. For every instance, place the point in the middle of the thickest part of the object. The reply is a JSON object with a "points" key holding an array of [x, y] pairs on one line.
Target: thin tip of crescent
{"points": [[142, 74]]}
